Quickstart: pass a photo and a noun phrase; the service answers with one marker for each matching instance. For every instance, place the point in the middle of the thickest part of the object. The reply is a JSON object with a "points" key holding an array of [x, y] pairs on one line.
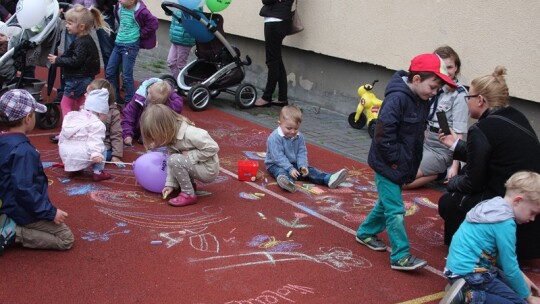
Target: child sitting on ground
{"points": [[82, 135], [482, 262], [286, 155], [114, 144], [27, 215], [193, 153], [151, 91]]}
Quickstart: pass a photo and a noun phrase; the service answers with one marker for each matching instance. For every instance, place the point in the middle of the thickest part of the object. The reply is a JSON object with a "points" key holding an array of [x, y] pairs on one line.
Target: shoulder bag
{"points": [[296, 24]]}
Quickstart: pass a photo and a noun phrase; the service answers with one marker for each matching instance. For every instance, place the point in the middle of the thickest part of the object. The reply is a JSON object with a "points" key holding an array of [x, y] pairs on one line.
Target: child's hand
{"points": [[96, 158], [51, 58], [60, 216], [128, 141], [305, 171], [166, 191], [294, 173]]}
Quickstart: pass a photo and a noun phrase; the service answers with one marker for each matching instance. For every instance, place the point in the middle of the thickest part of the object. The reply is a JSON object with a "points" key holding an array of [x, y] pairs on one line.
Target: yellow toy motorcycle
{"points": [[367, 110]]}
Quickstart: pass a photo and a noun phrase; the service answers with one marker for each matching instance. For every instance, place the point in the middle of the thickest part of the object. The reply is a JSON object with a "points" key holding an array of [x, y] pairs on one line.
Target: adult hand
{"points": [[448, 140], [51, 58], [60, 216]]}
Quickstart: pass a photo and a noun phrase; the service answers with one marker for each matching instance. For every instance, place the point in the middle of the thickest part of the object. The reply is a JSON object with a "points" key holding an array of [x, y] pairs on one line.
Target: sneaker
{"points": [[456, 293], [54, 138], [337, 178], [101, 176], [286, 184], [409, 262], [373, 243], [7, 232], [183, 199]]}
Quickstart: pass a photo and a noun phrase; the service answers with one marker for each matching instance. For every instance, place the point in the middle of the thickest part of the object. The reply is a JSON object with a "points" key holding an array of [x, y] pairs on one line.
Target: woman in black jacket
{"points": [[500, 144], [277, 23]]}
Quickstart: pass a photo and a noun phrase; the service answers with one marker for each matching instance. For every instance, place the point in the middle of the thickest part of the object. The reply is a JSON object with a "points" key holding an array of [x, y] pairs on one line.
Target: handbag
{"points": [[296, 23]]}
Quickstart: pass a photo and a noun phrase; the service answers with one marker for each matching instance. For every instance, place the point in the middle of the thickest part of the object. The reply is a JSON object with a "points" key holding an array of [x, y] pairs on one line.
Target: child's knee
{"points": [[66, 239]]}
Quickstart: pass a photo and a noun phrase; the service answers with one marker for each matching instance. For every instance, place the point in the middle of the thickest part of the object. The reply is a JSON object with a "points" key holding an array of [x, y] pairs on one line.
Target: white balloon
{"points": [[31, 12]]}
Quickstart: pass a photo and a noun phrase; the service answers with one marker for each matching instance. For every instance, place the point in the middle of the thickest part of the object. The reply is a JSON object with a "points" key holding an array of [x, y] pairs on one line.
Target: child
{"points": [[437, 158], [181, 44], [286, 155], [82, 135], [193, 153], [482, 262], [27, 215], [114, 144], [81, 61], [137, 29], [151, 91], [396, 152]]}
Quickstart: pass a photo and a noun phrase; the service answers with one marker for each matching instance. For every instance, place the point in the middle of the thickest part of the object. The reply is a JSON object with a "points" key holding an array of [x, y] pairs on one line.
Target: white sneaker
{"points": [[285, 183], [337, 178]]}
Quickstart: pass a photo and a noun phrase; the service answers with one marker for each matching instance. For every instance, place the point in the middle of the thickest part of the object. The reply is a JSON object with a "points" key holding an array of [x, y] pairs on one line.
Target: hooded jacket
{"points": [[397, 146], [81, 138], [487, 238], [148, 25], [24, 195]]}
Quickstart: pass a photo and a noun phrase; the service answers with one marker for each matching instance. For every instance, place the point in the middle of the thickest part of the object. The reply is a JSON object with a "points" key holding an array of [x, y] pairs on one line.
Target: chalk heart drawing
{"points": [[269, 243], [340, 259], [91, 236]]}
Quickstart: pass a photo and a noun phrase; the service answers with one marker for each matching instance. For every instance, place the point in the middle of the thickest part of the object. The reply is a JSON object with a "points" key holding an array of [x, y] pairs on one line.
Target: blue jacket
{"points": [[284, 152], [23, 184], [177, 33], [397, 146]]}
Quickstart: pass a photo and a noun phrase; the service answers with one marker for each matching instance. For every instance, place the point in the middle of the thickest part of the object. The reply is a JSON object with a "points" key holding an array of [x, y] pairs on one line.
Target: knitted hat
{"points": [[434, 64], [16, 104], [97, 101]]}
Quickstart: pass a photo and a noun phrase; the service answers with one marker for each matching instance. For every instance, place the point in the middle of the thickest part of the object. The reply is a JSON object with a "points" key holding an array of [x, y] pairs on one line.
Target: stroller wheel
{"points": [[246, 95], [49, 119], [198, 97], [358, 124], [174, 85]]}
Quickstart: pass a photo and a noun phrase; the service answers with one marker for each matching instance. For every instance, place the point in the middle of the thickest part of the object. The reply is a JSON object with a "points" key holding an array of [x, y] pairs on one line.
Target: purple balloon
{"points": [[151, 171]]}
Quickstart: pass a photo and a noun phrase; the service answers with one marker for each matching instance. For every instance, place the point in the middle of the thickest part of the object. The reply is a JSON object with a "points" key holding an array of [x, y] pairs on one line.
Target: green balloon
{"points": [[217, 5]]}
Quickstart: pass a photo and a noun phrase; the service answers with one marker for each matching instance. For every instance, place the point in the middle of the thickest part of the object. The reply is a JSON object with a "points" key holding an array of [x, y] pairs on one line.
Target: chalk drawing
{"points": [[249, 196], [255, 155], [424, 201], [219, 179], [427, 232], [46, 164], [340, 259], [131, 199], [83, 189], [105, 236], [272, 297], [295, 222], [190, 220], [269, 243], [205, 242]]}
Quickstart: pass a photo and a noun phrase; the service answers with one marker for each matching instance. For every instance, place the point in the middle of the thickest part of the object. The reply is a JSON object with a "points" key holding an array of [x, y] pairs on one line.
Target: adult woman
{"points": [[277, 23], [501, 143], [437, 158]]}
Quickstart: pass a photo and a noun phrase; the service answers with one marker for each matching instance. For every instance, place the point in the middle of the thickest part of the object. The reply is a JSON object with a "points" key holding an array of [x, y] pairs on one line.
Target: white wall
{"points": [[389, 33]]}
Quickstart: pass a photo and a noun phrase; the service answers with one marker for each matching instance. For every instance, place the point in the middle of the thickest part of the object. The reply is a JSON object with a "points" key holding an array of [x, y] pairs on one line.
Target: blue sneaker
{"points": [[7, 232], [408, 263]]}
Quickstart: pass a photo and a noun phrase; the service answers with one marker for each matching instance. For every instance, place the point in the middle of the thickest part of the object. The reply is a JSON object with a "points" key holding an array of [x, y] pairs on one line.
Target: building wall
{"points": [[349, 43]]}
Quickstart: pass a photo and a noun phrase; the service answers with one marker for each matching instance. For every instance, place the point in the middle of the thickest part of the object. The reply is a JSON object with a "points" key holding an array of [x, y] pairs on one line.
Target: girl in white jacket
{"points": [[81, 138]]}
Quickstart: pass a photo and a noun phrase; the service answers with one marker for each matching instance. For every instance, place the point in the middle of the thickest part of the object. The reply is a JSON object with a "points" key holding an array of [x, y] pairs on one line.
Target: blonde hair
{"points": [[102, 83], [292, 113], [89, 17], [160, 125], [526, 183], [159, 92], [493, 88]]}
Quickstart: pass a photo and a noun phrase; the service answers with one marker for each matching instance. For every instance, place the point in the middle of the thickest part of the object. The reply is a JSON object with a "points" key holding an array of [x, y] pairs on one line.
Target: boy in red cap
{"points": [[27, 215], [396, 152]]}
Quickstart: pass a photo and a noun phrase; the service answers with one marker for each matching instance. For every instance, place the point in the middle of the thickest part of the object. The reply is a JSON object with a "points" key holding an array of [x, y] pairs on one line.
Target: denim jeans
{"points": [[315, 175], [124, 56], [99, 167], [389, 212], [488, 287]]}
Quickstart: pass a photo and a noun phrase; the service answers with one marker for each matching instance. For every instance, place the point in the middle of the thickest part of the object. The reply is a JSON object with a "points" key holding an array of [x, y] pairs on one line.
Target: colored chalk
{"points": [[253, 178], [258, 194], [289, 233], [261, 215], [156, 242]]}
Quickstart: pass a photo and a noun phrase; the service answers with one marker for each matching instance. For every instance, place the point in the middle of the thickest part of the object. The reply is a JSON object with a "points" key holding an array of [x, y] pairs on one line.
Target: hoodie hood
{"points": [[76, 121], [494, 210], [398, 85]]}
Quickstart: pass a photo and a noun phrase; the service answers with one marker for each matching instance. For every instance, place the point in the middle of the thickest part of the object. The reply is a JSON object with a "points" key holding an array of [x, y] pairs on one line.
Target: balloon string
{"points": [[106, 162]]}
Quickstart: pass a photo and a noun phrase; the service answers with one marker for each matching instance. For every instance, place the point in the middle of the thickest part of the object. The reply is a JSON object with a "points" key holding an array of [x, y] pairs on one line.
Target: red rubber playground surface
{"points": [[243, 242]]}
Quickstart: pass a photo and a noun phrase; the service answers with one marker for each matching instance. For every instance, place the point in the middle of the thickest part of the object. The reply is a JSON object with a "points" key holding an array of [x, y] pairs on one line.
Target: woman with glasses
{"points": [[500, 144], [437, 162]]}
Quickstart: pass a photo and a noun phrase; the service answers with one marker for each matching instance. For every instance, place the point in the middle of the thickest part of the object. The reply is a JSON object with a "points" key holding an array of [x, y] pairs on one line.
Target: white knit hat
{"points": [[97, 101]]}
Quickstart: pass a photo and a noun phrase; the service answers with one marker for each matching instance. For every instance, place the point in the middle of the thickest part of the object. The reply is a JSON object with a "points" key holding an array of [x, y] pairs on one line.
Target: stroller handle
{"points": [[166, 7]]}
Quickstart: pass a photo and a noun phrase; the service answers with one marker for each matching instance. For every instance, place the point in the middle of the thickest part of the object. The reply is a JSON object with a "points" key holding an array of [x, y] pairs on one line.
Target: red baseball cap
{"points": [[434, 64]]}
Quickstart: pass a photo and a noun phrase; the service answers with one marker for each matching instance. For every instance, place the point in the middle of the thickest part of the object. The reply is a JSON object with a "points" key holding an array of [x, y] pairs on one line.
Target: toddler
{"points": [[193, 153], [82, 135], [151, 91], [286, 155]]}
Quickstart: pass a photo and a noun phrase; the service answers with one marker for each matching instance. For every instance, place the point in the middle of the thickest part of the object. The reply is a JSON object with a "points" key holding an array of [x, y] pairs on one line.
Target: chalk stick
{"points": [[289, 233], [158, 242]]}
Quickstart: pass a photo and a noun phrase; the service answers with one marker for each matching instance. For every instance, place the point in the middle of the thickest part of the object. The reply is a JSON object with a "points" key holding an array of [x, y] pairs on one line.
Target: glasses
{"points": [[468, 97]]}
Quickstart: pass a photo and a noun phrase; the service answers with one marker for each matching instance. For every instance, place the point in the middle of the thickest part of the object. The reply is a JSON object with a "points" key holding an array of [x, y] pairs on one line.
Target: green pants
{"points": [[388, 213]]}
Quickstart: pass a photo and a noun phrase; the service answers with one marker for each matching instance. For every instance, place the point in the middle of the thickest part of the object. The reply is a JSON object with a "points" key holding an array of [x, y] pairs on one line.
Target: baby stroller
{"points": [[31, 46], [218, 66]]}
